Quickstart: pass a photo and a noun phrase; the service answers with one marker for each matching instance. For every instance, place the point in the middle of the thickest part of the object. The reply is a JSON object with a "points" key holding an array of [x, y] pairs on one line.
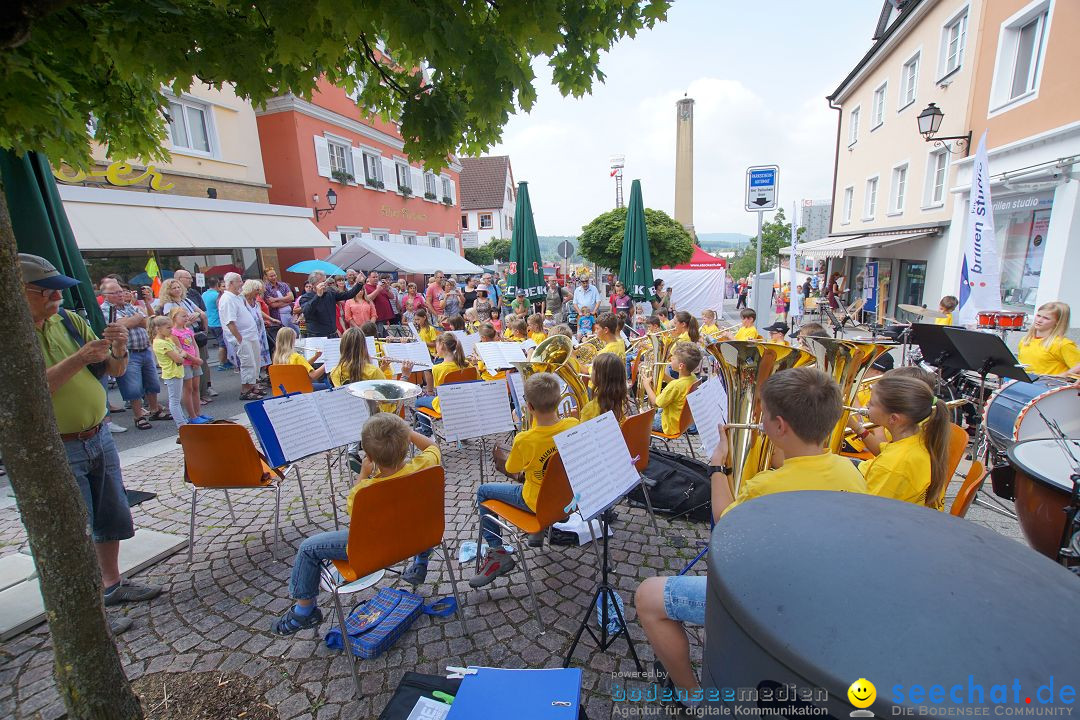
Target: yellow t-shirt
{"points": [[78, 404], [862, 398], [438, 373], [370, 372], [428, 335], [428, 457], [591, 410], [170, 369], [947, 320], [901, 471], [711, 331], [616, 346], [747, 333], [671, 402], [508, 333], [684, 337], [298, 359], [783, 342], [530, 454], [809, 472], [1054, 360], [538, 337]]}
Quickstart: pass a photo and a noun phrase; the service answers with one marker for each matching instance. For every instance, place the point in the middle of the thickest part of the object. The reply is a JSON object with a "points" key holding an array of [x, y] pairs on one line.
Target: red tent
{"points": [[701, 260]]}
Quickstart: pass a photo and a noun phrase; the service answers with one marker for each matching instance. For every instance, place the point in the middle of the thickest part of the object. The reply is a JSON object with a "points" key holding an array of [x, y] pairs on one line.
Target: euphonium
{"points": [[845, 361], [587, 349], [745, 366], [652, 360], [553, 356]]}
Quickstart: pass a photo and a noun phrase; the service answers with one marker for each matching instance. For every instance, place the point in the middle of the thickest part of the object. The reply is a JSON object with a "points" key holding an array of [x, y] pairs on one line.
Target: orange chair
{"points": [[974, 480], [551, 503], [637, 432], [222, 456], [685, 421], [384, 530], [958, 440], [294, 378]]}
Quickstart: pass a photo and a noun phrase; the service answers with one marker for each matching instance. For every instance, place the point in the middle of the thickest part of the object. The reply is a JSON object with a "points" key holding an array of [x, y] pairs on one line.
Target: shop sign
{"points": [[403, 213], [119, 174]]}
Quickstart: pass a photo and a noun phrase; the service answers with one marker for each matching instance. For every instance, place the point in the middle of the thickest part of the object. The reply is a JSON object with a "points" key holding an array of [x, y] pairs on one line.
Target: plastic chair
{"points": [[222, 456], [958, 441], [685, 421], [637, 432], [386, 529], [974, 480], [551, 503], [294, 378]]}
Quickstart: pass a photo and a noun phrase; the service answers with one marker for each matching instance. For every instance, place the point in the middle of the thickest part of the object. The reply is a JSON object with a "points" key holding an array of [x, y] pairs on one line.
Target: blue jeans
{"points": [[96, 467], [660, 428], [175, 386], [141, 378], [509, 493], [304, 581], [425, 401], [319, 385], [684, 598]]}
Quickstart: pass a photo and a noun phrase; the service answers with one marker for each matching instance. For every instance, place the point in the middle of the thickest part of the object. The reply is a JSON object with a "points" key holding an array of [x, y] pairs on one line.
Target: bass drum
{"points": [[1011, 411], [1043, 489]]}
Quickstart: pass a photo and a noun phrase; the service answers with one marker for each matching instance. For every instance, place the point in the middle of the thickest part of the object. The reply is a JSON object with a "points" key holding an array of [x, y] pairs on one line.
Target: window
{"points": [[871, 199], [899, 188], [447, 194], [485, 221], [879, 106], [909, 82], [954, 36], [403, 176], [464, 221], [936, 173], [189, 126], [510, 223], [373, 176], [451, 243], [509, 194], [853, 126], [1026, 64], [409, 239], [849, 197], [380, 235], [433, 241], [1020, 56], [340, 157], [429, 186]]}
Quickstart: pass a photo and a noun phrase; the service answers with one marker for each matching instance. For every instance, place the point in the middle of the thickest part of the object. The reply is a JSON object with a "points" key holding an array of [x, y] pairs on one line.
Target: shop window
{"points": [[1022, 223], [912, 282]]}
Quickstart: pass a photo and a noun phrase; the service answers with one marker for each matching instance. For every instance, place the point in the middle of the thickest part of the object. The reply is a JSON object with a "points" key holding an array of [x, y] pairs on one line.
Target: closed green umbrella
{"points": [[635, 265], [41, 227], [525, 272]]}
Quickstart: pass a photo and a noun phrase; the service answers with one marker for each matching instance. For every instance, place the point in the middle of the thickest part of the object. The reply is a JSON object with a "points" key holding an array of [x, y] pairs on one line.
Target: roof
{"points": [[882, 33], [483, 182], [368, 255]]}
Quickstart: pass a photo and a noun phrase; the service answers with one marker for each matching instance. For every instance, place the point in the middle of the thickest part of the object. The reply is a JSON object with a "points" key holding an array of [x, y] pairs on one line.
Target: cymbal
{"points": [[925, 312]]}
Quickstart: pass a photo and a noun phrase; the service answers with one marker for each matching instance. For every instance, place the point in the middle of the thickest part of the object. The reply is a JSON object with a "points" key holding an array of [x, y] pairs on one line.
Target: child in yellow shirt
{"points": [[609, 388], [748, 332], [535, 326], [607, 332], [778, 333], [449, 349], [709, 329], [516, 330], [947, 305], [285, 354], [529, 455], [685, 359], [424, 329]]}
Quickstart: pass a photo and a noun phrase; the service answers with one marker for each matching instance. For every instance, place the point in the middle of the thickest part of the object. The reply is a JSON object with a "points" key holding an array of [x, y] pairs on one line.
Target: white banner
{"points": [[694, 290], [980, 273]]}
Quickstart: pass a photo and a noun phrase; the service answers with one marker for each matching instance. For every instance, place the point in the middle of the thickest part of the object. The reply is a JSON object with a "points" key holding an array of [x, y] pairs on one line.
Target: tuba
{"points": [[845, 361], [745, 366], [553, 356], [653, 357]]}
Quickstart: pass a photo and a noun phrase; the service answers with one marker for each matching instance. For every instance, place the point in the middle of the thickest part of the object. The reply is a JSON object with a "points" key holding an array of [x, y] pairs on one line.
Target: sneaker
{"points": [[127, 591], [114, 428], [198, 420], [226, 367], [119, 624], [207, 418], [415, 574], [292, 622], [212, 392], [497, 563], [537, 539]]}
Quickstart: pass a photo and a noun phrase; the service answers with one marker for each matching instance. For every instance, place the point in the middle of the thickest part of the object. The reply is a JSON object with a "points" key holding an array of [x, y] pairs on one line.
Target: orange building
{"points": [[329, 143]]}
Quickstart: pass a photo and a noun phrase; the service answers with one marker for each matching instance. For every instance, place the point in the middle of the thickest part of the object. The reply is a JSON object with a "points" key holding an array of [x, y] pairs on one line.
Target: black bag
{"points": [[412, 687], [678, 486], [98, 368]]}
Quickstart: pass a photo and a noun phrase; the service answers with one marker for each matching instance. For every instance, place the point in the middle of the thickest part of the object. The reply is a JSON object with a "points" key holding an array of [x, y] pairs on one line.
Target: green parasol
{"points": [[635, 265], [525, 271], [41, 227]]}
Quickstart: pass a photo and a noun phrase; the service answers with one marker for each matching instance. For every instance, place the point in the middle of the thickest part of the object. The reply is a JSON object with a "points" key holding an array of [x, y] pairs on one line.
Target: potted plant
{"points": [[429, 195], [342, 176], [378, 184], [405, 190], [446, 200]]}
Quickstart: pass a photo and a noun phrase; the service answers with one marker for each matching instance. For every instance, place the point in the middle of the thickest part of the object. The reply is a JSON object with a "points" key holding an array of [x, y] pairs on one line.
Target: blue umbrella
{"points": [[309, 266]]}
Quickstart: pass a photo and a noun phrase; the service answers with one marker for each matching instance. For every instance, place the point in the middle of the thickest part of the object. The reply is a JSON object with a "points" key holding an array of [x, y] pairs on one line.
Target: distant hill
{"points": [[722, 241]]}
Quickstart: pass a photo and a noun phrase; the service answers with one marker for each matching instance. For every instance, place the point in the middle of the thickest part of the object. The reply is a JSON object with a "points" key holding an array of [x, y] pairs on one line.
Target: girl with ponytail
{"points": [[448, 347], [913, 466], [686, 327]]}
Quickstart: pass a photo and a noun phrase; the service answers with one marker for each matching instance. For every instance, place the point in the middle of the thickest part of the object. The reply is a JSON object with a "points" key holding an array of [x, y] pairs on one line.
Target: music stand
{"points": [[837, 325]]}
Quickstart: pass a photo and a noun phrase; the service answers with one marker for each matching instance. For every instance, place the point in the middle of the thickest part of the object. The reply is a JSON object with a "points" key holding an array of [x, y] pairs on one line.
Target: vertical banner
{"points": [[870, 286], [980, 273]]}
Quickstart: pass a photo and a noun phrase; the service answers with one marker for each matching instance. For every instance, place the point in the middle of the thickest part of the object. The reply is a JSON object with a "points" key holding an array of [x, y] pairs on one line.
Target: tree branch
{"points": [[390, 80]]}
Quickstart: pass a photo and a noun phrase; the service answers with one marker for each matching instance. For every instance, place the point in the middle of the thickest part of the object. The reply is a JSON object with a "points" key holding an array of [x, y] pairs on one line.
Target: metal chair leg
{"points": [[522, 543], [228, 501], [345, 644], [303, 497], [277, 514], [479, 538], [648, 504], [690, 444], [191, 528], [453, 586]]}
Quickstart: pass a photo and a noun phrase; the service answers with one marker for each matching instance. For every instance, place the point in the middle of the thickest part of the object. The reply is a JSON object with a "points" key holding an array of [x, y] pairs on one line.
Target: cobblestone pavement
{"points": [[215, 613]]}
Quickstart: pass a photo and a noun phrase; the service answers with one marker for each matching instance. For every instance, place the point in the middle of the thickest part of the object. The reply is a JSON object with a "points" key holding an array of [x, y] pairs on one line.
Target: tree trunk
{"points": [[89, 675]]}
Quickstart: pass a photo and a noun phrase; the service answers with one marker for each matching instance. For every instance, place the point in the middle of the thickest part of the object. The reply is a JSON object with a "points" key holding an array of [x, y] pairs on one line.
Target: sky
{"points": [[758, 73]]}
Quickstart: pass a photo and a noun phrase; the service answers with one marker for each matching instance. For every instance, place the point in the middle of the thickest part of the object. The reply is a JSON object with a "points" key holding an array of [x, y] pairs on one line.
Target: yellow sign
{"points": [[403, 213], [118, 173], [862, 693]]}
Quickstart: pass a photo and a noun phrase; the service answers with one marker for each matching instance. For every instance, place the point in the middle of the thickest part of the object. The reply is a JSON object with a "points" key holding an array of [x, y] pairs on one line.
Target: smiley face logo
{"points": [[862, 693]]}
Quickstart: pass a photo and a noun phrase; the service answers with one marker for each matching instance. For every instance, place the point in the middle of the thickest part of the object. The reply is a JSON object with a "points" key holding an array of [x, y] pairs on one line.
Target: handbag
{"points": [[376, 624]]}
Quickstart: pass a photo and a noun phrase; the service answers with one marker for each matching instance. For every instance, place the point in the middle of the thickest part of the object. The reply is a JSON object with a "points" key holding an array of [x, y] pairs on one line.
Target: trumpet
{"points": [[382, 357], [756, 427]]}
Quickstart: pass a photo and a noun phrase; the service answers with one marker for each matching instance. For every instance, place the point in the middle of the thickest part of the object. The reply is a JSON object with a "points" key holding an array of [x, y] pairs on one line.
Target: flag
{"points": [[980, 273], [152, 268]]}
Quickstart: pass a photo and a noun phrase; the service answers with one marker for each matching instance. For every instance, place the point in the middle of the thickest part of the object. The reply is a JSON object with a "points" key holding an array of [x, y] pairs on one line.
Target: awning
{"points": [[835, 245], [368, 255], [105, 219]]}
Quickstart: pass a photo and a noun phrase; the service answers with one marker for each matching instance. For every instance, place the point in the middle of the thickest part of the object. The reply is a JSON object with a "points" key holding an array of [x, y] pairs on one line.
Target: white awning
{"points": [[105, 219], [368, 255], [835, 245]]}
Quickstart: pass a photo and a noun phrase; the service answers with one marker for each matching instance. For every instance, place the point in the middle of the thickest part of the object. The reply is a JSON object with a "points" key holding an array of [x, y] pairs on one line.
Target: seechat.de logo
{"points": [[862, 694]]}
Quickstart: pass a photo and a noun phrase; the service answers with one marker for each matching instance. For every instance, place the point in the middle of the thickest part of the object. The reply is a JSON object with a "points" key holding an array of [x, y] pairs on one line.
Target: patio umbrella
{"points": [[144, 279], [310, 266], [525, 273], [635, 265], [41, 227]]}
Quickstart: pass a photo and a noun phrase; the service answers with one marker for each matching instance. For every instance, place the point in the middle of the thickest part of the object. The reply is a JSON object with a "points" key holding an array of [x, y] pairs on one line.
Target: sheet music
{"points": [[343, 414], [708, 405], [474, 409], [597, 463], [468, 342], [527, 345], [371, 350], [517, 386], [499, 355], [417, 352], [415, 332], [331, 353], [298, 425]]}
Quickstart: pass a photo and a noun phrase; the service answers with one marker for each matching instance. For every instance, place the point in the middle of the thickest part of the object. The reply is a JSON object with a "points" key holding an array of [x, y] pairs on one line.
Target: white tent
{"points": [[368, 255], [696, 285]]}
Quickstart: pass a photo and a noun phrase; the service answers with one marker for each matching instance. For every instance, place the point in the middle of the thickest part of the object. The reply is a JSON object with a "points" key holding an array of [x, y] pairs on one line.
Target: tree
{"points": [[500, 249], [601, 240], [69, 68], [775, 234]]}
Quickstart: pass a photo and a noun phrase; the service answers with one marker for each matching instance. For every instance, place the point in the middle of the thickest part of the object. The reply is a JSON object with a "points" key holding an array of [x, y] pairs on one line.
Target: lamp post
{"points": [[930, 122], [331, 200]]}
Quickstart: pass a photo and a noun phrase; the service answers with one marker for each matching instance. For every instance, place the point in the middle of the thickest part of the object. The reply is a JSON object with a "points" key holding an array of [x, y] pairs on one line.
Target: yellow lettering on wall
{"points": [[119, 174], [403, 213]]}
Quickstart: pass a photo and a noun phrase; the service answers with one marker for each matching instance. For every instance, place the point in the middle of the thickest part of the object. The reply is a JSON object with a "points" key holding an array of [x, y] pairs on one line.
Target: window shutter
{"points": [[335, 237], [389, 174], [453, 192], [358, 170], [322, 156], [417, 181]]}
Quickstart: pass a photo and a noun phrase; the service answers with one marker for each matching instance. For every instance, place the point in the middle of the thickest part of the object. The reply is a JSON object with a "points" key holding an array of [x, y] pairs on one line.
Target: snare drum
{"points": [[1010, 415], [987, 319], [1010, 320], [1043, 488]]}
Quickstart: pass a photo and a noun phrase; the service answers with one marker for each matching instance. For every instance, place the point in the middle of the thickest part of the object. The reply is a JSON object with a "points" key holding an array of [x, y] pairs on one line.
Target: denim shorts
{"points": [[684, 598], [192, 371], [141, 377], [215, 334], [96, 466]]}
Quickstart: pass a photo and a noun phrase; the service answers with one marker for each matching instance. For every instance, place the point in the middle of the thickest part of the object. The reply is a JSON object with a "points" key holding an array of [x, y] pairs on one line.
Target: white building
{"points": [[487, 199]]}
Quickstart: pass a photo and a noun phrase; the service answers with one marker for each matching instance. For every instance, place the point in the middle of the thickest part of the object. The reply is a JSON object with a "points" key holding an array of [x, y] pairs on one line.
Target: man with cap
{"points": [[778, 333], [72, 354], [585, 296]]}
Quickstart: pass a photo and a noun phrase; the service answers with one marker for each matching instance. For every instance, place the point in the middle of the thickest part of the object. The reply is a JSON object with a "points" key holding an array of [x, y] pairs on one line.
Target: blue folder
{"points": [[553, 694]]}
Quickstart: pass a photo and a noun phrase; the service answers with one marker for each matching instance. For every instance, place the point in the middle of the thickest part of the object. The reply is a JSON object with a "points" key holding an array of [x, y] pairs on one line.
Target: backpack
{"points": [[678, 486], [375, 625]]}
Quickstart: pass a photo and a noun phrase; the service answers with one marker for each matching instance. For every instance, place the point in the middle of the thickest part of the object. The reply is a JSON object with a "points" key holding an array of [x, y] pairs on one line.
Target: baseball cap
{"points": [[482, 288], [884, 363], [38, 271], [778, 327]]}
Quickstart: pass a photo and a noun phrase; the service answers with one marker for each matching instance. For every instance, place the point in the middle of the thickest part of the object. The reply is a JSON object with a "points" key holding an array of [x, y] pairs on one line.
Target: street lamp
{"points": [[930, 122], [331, 200]]}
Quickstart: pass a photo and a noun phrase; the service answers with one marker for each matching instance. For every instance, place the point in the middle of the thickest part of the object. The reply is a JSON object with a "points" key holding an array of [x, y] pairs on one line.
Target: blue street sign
{"points": [[761, 186]]}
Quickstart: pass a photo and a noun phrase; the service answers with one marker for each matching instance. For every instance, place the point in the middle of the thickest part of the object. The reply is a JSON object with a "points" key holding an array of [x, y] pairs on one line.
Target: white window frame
{"points": [[849, 202], [408, 238], [931, 202], [877, 111], [444, 183], [898, 189], [346, 150], [450, 242], [464, 221], [915, 62], [382, 234], [404, 176], [430, 186], [958, 22], [375, 161], [480, 221], [870, 200], [1005, 62], [853, 125], [206, 109], [434, 240]]}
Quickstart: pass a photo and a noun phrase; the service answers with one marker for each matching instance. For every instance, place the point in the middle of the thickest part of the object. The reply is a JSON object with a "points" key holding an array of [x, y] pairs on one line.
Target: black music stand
{"points": [[837, 324], [937, 348]]}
